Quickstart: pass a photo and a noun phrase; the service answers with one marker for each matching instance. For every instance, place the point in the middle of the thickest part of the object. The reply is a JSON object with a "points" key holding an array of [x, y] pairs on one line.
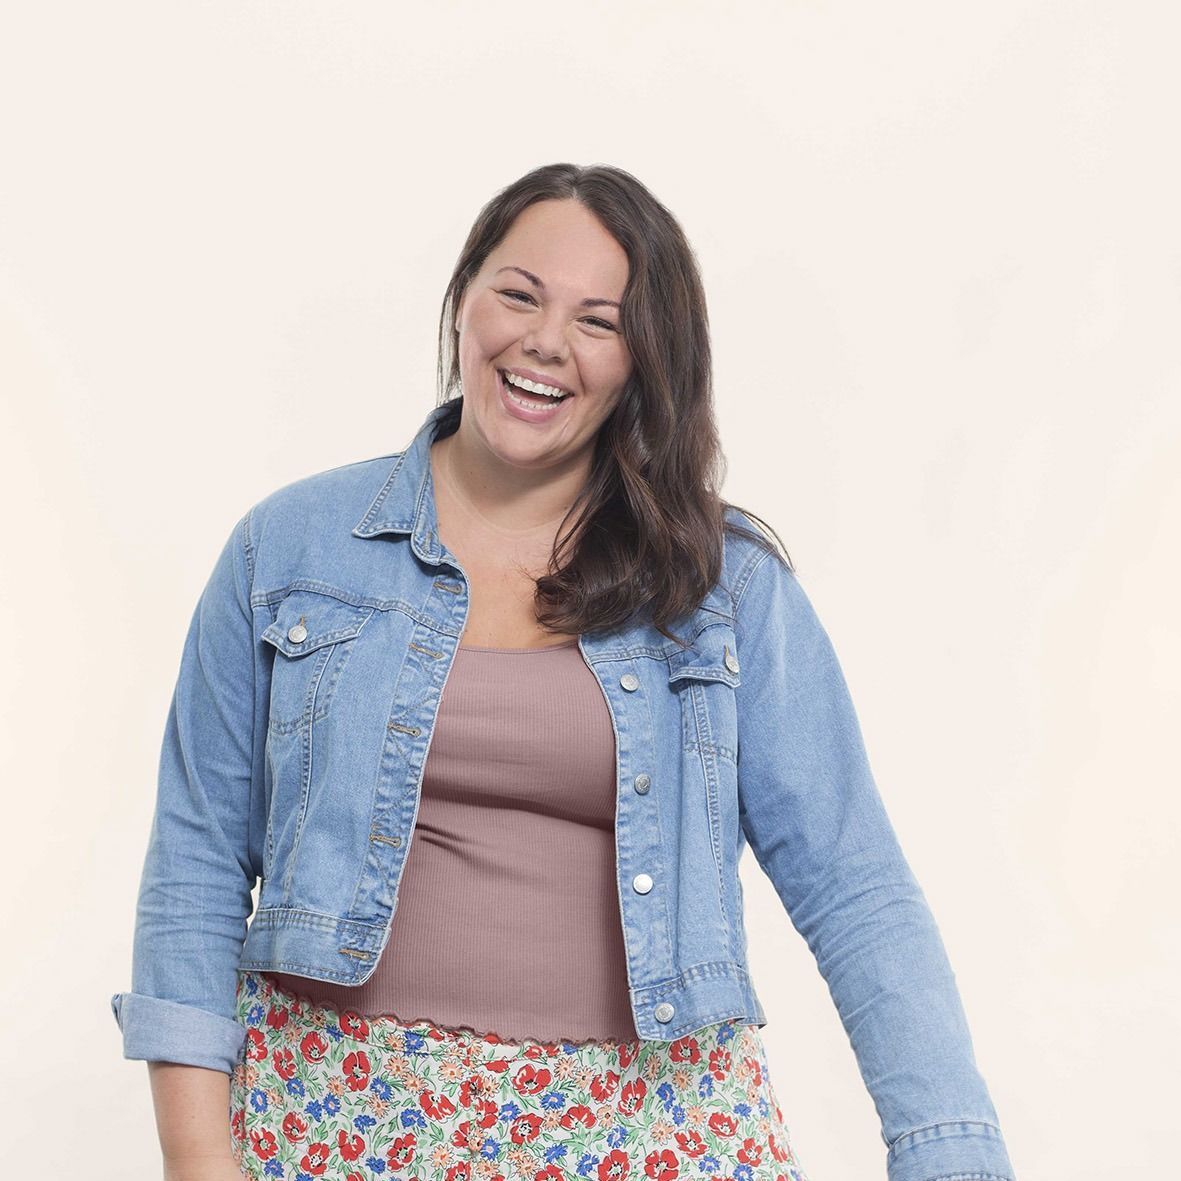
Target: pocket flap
{"points": [[307, 620], [713, 657]]}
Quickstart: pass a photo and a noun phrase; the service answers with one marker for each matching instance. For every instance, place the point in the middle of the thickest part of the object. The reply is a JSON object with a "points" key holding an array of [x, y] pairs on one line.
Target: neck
{"points": [[510, 500]]}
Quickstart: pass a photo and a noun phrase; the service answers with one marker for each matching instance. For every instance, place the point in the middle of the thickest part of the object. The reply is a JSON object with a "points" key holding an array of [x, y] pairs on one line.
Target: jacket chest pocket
{"points": [[704, 679], [706, 676], [313, 635]]}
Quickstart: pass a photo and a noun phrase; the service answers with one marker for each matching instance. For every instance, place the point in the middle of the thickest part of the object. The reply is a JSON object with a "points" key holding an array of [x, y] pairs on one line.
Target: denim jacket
{"points": [[293, 753]]}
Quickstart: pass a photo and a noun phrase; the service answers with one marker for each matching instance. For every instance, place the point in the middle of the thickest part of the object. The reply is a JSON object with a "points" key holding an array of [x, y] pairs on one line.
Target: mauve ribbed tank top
{"points": [[507, 917]]}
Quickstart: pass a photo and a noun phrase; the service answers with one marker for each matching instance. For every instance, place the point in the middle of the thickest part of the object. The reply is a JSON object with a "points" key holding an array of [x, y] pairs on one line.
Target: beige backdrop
{"points": [[944, 269]]}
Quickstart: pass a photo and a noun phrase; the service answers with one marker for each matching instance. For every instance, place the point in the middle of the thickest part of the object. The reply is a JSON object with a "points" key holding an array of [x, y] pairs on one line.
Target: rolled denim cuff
{"points": [[157, 1030], [955, 1150]]}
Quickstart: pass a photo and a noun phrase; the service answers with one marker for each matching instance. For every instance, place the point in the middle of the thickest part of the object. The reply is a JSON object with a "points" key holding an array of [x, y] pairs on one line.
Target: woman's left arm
{"points": [[811, 811]]}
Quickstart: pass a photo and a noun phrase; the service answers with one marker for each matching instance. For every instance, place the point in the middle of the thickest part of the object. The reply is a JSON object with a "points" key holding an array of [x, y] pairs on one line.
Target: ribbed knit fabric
{"points": [[507, 917]]}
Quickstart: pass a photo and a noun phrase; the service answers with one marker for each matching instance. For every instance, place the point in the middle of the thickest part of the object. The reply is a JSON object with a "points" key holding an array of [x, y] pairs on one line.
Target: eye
{"points": [[594, 320]]}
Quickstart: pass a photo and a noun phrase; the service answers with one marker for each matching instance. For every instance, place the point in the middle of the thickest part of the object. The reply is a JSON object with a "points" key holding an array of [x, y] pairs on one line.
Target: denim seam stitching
{"points": [[941, 1124], [971, 1177]]}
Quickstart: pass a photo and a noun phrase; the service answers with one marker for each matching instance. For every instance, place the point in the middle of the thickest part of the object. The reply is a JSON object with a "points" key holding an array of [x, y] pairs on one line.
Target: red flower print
{"points": [[356, 1070], [283, 1060], [436, 1104], [256, 1045], [295, 1127], [719, 1062], [277, 1016], [662, 1164], [780, 1154], [264, 1144], [514, 1098], [470, 1089], [484, 1113], [349, 1146], [578, 1113], [722, 1124], [354, 1025], [631, 1098], [467, 1136], [751, 1152], [614, 1166], [401, 1152], [602, 1086], [315, 1160], [313, 1047], [690, 1143], [530, 1079], [524, 1128]]}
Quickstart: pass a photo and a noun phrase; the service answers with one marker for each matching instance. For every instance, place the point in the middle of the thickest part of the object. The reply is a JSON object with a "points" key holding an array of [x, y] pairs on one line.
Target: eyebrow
{"points": [[586, 303]]}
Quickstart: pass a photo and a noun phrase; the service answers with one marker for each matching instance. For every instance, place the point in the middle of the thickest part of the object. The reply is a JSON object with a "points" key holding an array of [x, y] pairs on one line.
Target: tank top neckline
{"points": [[519, 651]]}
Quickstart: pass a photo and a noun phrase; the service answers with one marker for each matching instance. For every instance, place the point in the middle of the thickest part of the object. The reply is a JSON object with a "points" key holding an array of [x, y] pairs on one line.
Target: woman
{"points": [[618, 682]]}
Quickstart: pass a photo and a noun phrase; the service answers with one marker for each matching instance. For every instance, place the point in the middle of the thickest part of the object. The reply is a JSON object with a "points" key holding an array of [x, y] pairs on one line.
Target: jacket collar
{"points": [[405, 503]]}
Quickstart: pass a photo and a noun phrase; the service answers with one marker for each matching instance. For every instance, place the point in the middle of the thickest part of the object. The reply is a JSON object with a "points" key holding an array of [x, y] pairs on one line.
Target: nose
{"points": [[545, 339]]}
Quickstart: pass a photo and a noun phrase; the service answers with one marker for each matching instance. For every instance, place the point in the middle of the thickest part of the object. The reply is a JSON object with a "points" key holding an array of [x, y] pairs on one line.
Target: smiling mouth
{"points": [[527, 397]]}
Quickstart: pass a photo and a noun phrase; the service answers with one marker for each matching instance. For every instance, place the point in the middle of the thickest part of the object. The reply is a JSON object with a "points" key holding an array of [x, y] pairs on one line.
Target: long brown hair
{"points": [[648, 525]]}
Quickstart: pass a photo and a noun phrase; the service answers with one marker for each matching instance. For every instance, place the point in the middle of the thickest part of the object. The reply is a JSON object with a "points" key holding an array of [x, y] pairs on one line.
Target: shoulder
{"points": [[748, 548], [333, 497], [766, 591]]}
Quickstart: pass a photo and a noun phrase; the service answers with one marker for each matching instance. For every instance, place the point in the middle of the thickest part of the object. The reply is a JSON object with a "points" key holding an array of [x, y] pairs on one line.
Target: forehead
{"points": [[565, 245]]}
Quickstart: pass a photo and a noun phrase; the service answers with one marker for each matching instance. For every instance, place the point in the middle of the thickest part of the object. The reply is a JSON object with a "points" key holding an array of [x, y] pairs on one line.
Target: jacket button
{"points": [[663, 1011], [731, 661], [641, 883], [643, 782], [629, 681], [297, 634]]}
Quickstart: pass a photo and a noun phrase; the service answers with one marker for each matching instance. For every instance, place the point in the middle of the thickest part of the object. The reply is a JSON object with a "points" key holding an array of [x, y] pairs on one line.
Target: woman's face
{"points": [[559, 323]]}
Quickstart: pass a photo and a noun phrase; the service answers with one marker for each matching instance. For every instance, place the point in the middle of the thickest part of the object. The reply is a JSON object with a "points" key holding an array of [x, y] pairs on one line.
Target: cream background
{"points": [[943, 263]]}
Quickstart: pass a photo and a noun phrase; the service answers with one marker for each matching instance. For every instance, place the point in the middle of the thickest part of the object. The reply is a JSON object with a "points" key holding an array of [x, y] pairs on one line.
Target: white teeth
{"points": [[532, 386], [530, 405]]}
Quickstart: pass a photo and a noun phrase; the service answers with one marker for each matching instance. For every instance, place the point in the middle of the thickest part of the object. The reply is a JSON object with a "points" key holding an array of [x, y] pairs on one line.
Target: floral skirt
{"points": [[325, 1093]]}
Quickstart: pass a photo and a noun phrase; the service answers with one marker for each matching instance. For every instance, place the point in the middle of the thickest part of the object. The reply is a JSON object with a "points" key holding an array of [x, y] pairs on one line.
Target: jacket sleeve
{"points": [[813, 817], [195, 888]]}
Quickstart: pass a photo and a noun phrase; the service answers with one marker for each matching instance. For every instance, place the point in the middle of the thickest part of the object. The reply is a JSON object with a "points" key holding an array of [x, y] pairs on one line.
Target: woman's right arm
{"points": [[202, 862], [192, 1104]]}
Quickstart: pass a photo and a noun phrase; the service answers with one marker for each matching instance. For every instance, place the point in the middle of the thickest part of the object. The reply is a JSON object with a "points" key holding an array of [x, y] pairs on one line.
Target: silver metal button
{"points": [[297, 633], [629, 681], [730, 659], [643, 782], [641, 883], [663, 1011]]}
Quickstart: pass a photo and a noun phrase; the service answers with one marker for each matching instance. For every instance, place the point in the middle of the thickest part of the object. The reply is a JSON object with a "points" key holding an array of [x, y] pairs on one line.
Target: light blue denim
{"points": [[309, 684]]}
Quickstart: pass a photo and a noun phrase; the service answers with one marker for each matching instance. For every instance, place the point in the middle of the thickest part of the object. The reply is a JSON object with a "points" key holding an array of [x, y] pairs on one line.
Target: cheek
{"points": [[605, 368], [487, 332], [610, 379]]}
